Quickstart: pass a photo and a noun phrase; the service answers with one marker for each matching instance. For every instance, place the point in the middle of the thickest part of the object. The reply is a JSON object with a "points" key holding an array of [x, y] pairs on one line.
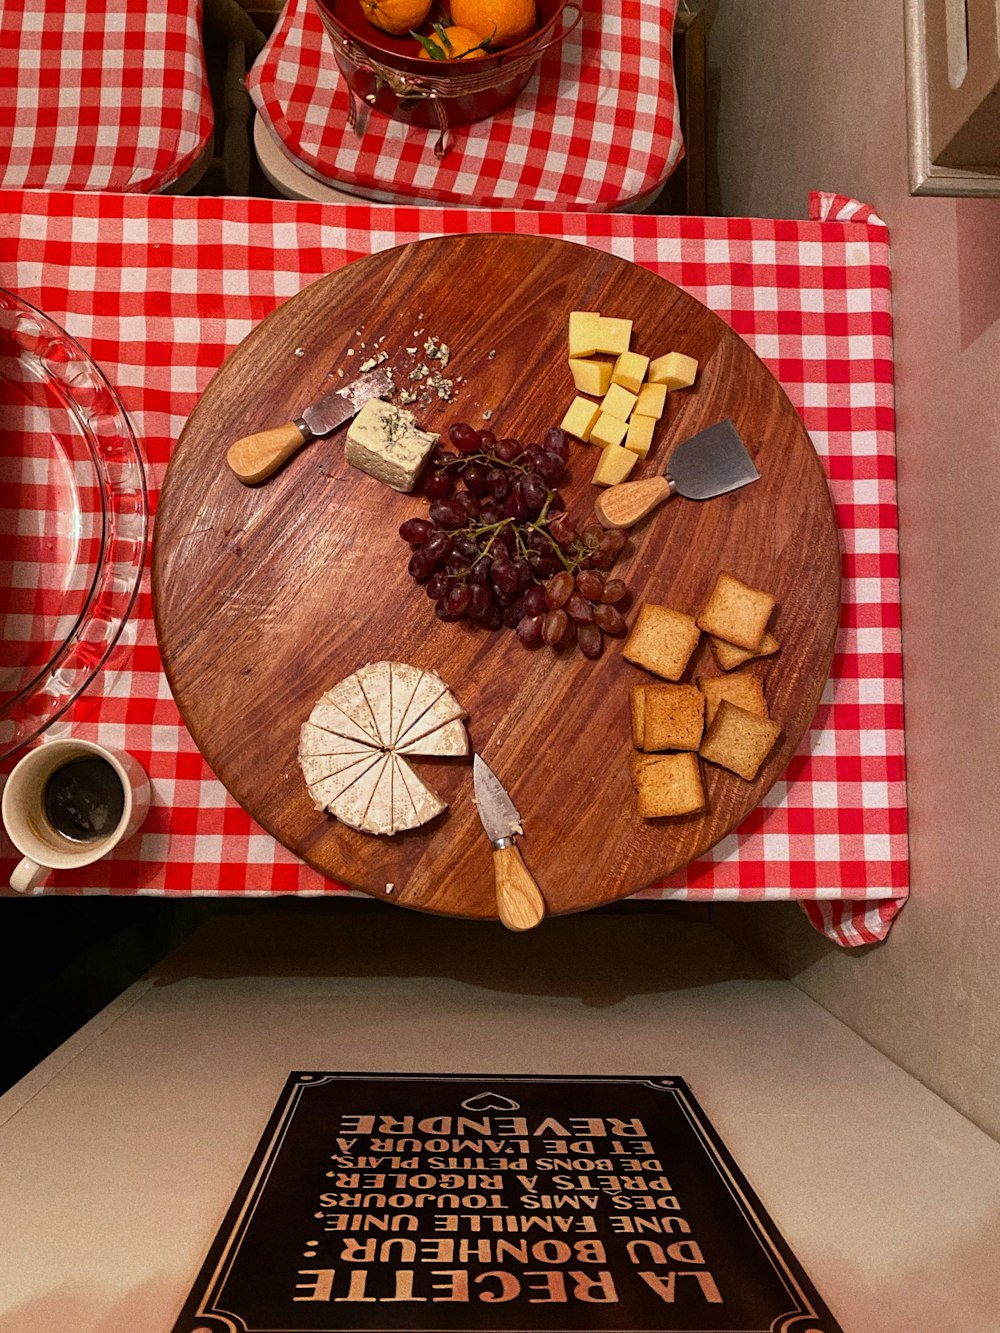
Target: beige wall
{"points": [[813, 96]]}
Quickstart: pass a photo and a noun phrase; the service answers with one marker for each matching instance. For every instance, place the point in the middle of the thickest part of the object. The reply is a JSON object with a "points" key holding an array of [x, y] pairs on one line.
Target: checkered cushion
{"points": [[101, 94], [597, 128]]}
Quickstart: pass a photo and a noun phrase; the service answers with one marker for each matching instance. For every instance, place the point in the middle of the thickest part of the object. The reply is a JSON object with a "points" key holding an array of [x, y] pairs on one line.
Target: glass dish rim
{"points": [[8, 711]]}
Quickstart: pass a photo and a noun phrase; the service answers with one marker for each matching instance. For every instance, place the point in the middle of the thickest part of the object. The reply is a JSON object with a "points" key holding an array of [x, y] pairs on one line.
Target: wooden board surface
{"points": [[266, 597]]}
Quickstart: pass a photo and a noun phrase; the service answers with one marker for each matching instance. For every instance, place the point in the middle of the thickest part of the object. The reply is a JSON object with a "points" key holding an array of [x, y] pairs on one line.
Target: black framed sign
{"points": [[453, 1203]]}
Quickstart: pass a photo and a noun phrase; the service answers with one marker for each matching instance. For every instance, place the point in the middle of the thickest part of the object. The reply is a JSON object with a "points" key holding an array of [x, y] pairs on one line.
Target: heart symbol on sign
{"points": [[490, 1101]]}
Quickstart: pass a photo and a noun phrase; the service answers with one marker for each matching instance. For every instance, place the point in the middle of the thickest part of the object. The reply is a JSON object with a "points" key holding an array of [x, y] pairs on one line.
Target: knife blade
{"points": [[255, 457], [520, 905], [713, 462]]}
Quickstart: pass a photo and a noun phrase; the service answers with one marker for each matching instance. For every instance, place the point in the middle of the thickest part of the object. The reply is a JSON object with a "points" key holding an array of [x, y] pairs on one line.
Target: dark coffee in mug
{"points": [[84, 800]]}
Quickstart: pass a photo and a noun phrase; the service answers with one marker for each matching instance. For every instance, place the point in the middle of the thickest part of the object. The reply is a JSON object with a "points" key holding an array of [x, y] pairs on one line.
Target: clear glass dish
{"points": [[73, 521]]}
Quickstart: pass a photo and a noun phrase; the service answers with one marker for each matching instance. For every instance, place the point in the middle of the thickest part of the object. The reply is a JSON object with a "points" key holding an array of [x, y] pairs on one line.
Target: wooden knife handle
{"points": [[622, 505], [255, 457], [519, 903]]}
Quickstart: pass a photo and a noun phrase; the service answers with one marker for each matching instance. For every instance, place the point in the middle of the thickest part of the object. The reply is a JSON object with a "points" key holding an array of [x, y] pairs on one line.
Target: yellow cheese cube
{"points": [[640, 435], [630, 370], [590, 376], [614, 336], [651, 400], [580, 418], [608, 430], [613, 466], [675, 370], [583, 327], [618, 402]]}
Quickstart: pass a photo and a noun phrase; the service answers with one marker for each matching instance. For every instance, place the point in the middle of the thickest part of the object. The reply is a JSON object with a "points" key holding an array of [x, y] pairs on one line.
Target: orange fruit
{"points": [[461, 42], [396, 16], [501, 22]]}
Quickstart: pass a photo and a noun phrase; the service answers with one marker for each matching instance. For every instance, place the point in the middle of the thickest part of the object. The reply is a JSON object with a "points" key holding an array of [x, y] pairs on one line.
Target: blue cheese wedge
{"points": [[385, 442]]}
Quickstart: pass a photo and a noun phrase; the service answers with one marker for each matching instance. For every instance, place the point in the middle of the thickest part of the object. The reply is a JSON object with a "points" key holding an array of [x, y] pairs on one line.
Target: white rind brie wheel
{"points": [[351, 750]]}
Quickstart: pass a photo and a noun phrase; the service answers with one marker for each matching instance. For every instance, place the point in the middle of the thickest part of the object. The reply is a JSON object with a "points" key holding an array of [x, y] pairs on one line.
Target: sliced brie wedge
{"points": [[443, 710], [404, 812], [375, 680], [349, 697], [333, 719], [445, 742], [328, 790], [405, 679], [378, 816], [315, 740], [429, 689], [426, 803], [351, 805]]}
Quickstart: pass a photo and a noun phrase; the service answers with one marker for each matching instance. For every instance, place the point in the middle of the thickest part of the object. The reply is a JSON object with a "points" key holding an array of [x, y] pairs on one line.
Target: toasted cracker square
{"points": [[728, 655], [742, 688], [667, 784], [673, 717], [736, 612], [662, 641], [739, 740]]}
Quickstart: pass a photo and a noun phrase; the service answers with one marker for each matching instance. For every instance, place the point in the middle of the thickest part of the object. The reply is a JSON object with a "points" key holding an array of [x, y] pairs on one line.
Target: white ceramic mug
{"points": [[41, 845]]}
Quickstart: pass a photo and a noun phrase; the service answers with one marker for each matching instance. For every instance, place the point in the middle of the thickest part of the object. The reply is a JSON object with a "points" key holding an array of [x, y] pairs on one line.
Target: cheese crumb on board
{"points": [[385, 442]]}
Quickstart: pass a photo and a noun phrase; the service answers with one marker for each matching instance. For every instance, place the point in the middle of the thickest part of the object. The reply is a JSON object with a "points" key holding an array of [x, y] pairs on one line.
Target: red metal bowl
{"points": [[497, 78]]}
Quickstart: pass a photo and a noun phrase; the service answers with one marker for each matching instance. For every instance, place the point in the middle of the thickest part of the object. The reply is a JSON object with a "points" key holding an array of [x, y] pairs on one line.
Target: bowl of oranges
{"points": [[437, 63]]}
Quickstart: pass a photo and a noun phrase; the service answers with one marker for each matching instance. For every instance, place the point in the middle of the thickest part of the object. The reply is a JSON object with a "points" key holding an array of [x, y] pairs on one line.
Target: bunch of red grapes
{"points": [[499, 548]]}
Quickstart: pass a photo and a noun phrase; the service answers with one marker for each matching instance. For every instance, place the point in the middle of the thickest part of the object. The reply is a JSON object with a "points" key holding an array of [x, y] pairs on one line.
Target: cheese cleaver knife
{"points": [[256, 456], [519, 903], [710, 463]]}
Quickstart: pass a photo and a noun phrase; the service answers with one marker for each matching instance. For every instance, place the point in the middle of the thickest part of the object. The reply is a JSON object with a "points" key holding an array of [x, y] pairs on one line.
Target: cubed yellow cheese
{"points": [[614, 336], [640, 435], [608, 430], [580, 418], [630, 370], [618, 402], [590, 376], [614, 465], [651, 400], [675, 370], [583, 327]]}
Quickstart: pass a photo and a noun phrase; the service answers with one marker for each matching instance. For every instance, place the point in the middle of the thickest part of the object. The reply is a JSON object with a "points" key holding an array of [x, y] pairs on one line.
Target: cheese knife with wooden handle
{"points": [[708, 464], [255, 457], [519, 903]]}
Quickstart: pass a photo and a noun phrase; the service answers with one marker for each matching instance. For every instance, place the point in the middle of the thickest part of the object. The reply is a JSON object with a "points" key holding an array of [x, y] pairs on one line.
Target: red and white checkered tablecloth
{"points": [[101, 94], [160, 289], [597, 128]]}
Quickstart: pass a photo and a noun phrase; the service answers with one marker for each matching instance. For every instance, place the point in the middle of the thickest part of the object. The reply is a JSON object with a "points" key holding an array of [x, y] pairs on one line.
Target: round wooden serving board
{"points": [[266, 597]]}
